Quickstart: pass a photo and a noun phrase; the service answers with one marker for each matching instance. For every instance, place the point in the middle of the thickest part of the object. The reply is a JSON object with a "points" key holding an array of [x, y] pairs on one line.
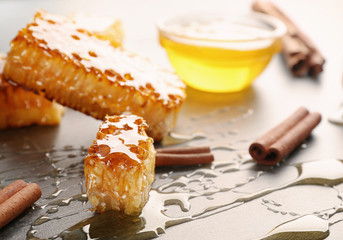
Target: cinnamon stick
{"points": [[170, 159], [277, 143], [187, 149], [300, 53], [11, 189], [17, 203], [258, 150]]}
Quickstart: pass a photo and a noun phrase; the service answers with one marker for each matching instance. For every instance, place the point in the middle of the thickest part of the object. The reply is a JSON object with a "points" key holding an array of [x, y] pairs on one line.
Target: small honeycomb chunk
{"points": [[120, 165]]}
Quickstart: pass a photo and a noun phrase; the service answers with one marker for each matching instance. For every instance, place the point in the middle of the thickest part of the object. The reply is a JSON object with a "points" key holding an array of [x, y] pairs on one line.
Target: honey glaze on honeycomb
{"points": [[120, 165], [103, 27], [59, 35], [121, 141]]}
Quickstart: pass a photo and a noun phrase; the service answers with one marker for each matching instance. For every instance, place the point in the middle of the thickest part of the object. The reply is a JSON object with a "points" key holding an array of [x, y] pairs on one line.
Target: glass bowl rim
{"points": [[278, 31]]}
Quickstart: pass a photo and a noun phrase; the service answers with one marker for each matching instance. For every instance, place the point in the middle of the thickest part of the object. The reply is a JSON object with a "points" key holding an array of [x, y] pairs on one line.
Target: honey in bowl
{"points": [[218, 53]]}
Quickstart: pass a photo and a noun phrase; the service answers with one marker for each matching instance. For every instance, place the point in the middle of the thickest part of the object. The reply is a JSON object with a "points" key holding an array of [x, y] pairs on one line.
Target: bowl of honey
{"points": [[218, 52]]}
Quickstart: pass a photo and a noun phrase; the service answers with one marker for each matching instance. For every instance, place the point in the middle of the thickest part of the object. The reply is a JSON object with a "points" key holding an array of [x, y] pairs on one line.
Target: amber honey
{"points": [[217, 69], [212, 54]]}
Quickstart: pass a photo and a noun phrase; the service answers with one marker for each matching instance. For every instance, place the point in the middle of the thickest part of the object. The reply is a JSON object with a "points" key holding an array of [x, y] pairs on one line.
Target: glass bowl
{"points": [[220, 53]]}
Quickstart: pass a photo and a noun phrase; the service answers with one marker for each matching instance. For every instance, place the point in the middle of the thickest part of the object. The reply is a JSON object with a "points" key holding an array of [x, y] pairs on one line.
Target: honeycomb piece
{"points": [[120, 165], [54, 56]]}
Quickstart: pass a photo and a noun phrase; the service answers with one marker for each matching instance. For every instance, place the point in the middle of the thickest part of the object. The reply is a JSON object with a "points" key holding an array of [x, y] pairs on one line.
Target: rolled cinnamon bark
{"points": [[292, 139], [300, 53], [170, 159], [258, 149], [17, 203], [296, 55], [277, 143], [187, 149], [11, 189]]}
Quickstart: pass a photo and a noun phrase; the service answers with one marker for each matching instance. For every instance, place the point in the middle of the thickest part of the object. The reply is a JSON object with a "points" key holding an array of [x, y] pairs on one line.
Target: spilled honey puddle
{"points": [[304, 227], [180, 195], [179, 198]]}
